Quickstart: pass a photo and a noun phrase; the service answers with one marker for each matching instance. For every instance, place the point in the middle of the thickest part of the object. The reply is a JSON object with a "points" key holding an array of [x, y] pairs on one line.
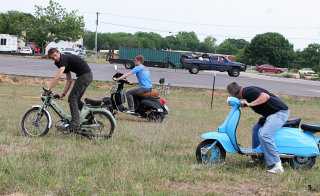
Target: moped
{"points": [[95, 121], [151, 106], [298, 147]]}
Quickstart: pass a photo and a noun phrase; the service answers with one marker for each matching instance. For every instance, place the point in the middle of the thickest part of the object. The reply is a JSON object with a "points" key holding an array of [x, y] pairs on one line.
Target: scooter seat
{"points": [[293, 123], [149, 94], [310, 127], [97, 102]]}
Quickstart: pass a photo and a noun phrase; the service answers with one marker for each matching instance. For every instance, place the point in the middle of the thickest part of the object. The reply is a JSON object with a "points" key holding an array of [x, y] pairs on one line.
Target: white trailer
{"points": [[8, 43]]}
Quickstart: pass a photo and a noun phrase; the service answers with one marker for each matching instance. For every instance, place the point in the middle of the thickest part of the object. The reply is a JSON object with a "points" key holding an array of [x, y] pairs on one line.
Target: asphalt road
{"points": [[103, 72]]}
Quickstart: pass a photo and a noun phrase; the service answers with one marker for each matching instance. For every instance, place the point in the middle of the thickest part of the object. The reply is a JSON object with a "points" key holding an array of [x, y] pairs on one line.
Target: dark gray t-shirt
{"points": [[73, 63], [273, 105]]}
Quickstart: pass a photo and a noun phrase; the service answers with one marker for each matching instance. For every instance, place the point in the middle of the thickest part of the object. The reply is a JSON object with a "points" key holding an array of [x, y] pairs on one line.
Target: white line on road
{"points": [[315, 91]]}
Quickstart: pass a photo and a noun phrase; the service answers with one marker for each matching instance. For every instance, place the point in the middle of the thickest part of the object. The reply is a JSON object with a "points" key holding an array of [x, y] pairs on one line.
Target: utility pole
{"points": [[96, 40]]}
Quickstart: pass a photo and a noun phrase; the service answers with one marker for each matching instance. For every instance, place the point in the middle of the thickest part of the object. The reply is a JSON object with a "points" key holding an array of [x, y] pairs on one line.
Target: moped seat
{"points": [[97, 102], [149, 94], [293, 123], [310, 127]]}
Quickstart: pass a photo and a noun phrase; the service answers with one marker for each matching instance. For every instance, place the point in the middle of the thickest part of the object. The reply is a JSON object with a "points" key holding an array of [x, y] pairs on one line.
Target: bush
{"points": [[286, 75], [15, 79]]}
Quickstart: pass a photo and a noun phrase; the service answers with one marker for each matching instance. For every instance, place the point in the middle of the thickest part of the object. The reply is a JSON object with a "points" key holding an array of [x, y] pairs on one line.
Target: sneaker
{"points": [[277, 169], [129, 111], [71, 128]]}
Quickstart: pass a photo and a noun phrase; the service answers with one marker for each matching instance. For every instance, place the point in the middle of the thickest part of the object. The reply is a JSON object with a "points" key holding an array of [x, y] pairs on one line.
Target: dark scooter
{"points": [[148, 105]]}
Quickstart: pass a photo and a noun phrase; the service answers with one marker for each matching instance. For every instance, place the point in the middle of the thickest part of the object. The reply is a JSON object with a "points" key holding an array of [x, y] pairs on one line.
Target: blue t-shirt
{"points": [[143, 76]]}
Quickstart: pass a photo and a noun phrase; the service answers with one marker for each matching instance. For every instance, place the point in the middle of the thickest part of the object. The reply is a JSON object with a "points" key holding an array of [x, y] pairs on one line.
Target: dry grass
{"points": [[141, 158]]}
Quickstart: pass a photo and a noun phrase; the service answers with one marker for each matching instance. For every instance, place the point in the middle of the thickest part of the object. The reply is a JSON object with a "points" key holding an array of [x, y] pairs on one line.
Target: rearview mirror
{"points": [[161, 81]]}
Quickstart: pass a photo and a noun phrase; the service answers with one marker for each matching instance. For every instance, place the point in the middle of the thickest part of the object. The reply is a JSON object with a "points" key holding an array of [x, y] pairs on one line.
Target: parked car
{"points": [[34, 47], [69, 51], [26, 50], [214, 62], [307, 72], [82, 55], [269, 68]]}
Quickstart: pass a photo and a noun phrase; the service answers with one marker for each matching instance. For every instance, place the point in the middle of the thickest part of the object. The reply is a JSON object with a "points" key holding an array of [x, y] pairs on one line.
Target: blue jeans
{"points": [[266, 138]]}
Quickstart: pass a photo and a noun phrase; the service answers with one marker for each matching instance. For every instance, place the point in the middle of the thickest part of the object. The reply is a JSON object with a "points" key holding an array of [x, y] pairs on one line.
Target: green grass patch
{"points": [[141, 157]]}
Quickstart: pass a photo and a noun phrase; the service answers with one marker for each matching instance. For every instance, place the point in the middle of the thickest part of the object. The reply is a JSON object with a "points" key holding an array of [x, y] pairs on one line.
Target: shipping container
{"points": [[153, 58]]}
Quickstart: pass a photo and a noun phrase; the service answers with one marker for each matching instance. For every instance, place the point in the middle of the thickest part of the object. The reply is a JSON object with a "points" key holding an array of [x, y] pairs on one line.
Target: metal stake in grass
{"points": [[214, 81]]}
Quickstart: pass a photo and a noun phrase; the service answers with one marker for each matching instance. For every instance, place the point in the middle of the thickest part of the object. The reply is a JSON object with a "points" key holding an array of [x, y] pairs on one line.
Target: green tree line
{"points": [[53, 24], [48, 24]]}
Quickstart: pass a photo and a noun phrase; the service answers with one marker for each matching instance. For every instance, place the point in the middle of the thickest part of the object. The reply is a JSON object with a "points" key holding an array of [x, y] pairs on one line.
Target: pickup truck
{"points": [[214, 62]]}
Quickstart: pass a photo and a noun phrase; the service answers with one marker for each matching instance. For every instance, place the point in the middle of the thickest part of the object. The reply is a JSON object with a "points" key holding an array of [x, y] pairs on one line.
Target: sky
{"points": [[296, 20]]}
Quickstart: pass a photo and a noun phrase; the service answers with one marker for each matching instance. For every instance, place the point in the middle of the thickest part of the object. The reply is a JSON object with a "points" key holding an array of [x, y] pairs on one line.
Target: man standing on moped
{"points": [[273, 110], [143, 76], [71, 63]]}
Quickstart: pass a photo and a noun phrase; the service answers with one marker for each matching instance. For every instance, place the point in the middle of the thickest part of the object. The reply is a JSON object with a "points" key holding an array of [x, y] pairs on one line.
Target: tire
{"points": [[302, 162], [106, 125], [155, 117], [263, 71], [194, 69], [235, 72], [34, 126], [278, 72], [129, 65], [217, 154]]}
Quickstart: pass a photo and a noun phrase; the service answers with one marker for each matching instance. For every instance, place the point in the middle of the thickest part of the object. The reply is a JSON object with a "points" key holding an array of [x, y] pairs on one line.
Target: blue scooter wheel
{"points": [[302, 162], [215, 155]]}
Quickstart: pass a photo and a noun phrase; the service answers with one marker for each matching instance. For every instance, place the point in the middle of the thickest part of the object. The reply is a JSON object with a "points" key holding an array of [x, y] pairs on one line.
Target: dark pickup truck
{"points": [[213, 62]]}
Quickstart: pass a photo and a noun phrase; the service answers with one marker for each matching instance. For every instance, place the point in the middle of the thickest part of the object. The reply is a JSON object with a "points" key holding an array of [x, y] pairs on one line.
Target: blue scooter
{"points": [[299, 148]]}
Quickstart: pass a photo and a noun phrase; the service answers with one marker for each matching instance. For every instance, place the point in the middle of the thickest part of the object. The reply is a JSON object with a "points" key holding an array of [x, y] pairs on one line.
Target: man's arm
{"points": [[68, 85], [56, 78], [263, 97], [124, 75]]}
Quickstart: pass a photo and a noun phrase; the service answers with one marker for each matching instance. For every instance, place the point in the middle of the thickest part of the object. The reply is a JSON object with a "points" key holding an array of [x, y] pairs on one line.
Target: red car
{"points": [[268, 68]]}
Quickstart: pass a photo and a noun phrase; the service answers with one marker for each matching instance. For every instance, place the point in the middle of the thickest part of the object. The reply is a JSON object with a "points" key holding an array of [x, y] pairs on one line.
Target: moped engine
{"points": [[61, 125]]}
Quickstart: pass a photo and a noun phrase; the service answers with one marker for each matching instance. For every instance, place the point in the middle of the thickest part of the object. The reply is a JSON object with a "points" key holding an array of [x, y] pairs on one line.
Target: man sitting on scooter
{"points": [[143, 76], [273, 110]]}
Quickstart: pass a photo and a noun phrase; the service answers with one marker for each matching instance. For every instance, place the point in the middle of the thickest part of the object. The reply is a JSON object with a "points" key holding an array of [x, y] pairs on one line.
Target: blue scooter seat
{"points": [[310, 127], [293, 123]]}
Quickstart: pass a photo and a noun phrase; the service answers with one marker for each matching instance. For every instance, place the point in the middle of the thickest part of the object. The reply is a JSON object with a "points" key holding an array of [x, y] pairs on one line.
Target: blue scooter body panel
{"points": [[223, 138], [294, 141]]}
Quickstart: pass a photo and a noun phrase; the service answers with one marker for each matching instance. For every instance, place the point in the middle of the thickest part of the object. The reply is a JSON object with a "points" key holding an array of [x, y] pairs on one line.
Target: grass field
{"points": [[141, 158]]}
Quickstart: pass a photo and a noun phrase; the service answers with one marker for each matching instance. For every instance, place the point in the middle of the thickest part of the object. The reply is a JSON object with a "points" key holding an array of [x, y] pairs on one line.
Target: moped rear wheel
{"points": [[303, 162], [34, 124], [214, 156], [105, 125]]}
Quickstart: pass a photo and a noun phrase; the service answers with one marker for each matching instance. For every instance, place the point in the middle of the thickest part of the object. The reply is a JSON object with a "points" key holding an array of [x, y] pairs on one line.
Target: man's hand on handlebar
{"points": [[47, 91], [244, 103]]}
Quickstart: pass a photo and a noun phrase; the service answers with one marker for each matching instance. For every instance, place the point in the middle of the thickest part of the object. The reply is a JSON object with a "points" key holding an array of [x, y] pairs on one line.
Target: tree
{"points": [[270, 48], [310, 57], [14, 22], [231, 46], [54, 24]]}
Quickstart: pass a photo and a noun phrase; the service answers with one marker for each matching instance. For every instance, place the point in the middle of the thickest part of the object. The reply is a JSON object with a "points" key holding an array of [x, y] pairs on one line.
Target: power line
{"points": [[215, 35], [206, 24]]}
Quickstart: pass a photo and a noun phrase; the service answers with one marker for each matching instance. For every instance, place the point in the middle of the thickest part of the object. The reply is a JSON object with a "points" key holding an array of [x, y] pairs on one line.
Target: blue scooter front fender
{"points": [[223, 138]]}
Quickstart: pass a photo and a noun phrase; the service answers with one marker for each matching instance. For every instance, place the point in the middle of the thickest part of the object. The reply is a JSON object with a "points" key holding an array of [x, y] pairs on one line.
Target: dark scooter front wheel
{"points": [[214, 156], [35, 124], [302, 162]]}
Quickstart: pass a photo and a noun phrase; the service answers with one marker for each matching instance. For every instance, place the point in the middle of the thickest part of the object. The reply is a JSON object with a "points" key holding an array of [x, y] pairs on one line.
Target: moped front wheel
{"points": [[215, 155], [303, 162], [35, 124]]}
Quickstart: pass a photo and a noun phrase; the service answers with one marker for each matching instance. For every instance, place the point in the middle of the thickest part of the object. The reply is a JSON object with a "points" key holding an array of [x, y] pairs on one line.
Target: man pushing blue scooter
{"points": [[274, 137]]}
